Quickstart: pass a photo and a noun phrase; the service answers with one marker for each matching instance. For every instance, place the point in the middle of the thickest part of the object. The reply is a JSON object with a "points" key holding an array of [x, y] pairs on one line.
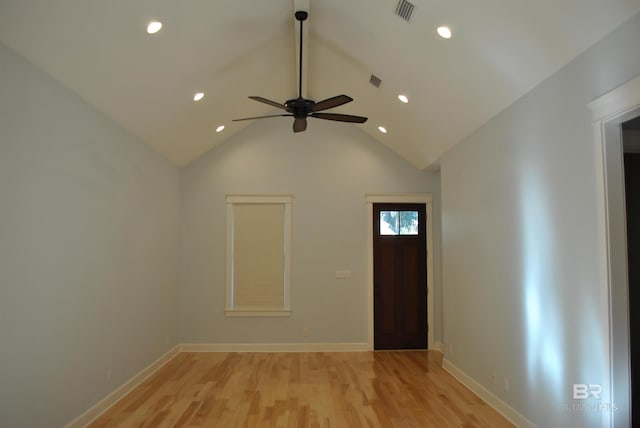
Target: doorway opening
{"points": [[631, 150]]}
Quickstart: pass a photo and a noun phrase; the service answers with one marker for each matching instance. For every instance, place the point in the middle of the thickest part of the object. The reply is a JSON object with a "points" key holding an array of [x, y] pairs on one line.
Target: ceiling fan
{"points": [[301, 108]]}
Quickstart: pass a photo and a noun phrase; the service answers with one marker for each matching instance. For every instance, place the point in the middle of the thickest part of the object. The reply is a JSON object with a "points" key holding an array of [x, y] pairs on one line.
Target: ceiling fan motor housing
{"points": [[299, 107]]}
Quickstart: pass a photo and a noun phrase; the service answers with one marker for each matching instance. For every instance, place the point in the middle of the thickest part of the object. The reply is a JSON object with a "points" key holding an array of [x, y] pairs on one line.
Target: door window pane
{"points": [[389, 224], [408, 222]]}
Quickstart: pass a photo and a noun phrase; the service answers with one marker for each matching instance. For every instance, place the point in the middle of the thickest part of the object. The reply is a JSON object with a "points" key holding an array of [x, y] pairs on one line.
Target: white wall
{"points": [[520, 241], [88, 251], [328, 169]]}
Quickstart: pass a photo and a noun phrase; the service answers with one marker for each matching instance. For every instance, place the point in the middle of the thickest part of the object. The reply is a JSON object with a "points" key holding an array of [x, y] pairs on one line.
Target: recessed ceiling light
{"points": [[444, 32], [403, 98], [220, 128], [154, 27], [382, 129], [198, 96]]}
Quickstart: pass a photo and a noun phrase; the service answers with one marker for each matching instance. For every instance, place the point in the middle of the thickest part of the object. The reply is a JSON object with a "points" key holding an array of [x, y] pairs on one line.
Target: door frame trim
{"points": [[400, 198], [607, 113]]}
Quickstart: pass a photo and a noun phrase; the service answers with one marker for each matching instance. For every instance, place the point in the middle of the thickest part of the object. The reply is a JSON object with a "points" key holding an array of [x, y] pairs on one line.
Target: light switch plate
{"points": [[343, 274]]}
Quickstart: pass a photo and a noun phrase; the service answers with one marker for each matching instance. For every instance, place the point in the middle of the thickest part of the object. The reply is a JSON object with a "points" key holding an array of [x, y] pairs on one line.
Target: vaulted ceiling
{"points": [[231, 49]]}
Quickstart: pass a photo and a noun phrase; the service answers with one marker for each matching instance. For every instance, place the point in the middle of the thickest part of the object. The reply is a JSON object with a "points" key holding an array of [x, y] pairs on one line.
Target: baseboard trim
{"points": [[105, 404], [488, 397], [438, 346], [274, 347]]}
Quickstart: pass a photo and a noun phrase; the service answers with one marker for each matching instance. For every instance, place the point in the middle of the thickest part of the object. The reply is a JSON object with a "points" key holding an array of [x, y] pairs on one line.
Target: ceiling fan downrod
{"points": [[301, 16]]}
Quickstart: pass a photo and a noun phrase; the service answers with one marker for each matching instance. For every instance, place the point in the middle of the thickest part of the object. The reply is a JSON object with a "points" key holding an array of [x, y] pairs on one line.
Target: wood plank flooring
{"points": [[356, 389]]}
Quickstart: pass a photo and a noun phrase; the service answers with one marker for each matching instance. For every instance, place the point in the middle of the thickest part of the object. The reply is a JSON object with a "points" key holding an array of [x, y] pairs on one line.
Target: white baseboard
{"points": [[274, 347], [103, 405], [438, 346], [488, 397]]}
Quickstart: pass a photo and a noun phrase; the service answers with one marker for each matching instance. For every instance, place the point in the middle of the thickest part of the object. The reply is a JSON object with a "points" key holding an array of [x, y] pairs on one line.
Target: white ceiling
{"points": [[231, 49]]}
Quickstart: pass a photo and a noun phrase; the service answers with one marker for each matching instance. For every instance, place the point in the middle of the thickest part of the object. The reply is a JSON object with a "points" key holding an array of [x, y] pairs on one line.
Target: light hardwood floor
{"points": [[356, 389]]}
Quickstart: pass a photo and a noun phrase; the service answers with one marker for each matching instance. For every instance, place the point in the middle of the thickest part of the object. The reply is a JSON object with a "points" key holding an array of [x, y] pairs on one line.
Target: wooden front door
{"points": [[400, 276]]}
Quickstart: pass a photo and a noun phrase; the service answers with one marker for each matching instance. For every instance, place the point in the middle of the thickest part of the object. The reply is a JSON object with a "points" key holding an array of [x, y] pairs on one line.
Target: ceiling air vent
{"points": [[404, 9], [375, 81]]}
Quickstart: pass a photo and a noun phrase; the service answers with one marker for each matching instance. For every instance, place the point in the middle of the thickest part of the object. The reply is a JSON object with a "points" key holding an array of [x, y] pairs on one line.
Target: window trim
{"points": [[285, 310]]}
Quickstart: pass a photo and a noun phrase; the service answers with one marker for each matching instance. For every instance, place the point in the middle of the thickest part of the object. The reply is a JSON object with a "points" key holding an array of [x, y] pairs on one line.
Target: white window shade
{"points": [[258, 241]]}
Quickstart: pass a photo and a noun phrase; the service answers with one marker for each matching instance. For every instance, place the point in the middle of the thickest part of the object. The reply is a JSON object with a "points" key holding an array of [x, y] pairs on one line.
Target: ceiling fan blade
{"points": [[300, 124], [271, 103], [340, 117], [332, 102], [261, 117]]}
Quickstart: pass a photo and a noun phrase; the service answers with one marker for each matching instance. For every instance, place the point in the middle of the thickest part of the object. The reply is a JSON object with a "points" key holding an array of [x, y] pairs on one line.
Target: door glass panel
{"points": [[389, 223], [408, 222]]}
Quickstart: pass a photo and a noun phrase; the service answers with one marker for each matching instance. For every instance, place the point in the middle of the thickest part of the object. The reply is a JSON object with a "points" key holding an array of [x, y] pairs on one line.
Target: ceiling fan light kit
{"points": [[301, 108]]}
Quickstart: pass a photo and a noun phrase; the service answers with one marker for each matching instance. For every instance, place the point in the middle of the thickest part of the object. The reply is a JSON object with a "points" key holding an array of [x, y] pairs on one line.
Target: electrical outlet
{"points": [[108, 375], [167, 339], [451, 348], [494, 378], [305, 332], [506, 384]]}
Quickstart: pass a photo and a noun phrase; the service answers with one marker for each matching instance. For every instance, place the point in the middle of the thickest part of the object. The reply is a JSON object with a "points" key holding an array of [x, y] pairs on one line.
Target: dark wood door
{"points": [[400, 276], [632, 197]]}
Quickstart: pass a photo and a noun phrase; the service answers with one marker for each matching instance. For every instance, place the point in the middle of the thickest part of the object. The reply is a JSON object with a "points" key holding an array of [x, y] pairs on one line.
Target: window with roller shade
{"points": [[258, 247]]}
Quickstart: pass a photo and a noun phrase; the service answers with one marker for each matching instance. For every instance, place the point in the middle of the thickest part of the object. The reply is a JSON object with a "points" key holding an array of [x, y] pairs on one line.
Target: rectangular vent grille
{"points": [[375, 81], [404, 9]]}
